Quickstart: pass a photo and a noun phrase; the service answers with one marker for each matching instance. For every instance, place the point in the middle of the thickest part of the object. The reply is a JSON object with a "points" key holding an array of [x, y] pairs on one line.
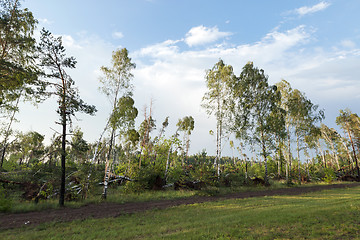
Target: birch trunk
{"points": [[298, 155], [288, 163], [7, 133], [107, 165], [353, 147]]}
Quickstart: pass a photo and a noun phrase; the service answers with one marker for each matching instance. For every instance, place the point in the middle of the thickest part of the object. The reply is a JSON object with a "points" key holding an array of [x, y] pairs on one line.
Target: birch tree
{"points": [[18, 69], [330, 136], [350, 123], [285, 91], [116, 82], [216, 101], [304, 115], [186, 125], [257, 118]]}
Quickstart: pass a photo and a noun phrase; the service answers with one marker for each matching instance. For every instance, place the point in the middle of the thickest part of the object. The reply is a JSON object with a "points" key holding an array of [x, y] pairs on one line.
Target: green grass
{"points": [[330, 214], [117, 196], [113, 196]]}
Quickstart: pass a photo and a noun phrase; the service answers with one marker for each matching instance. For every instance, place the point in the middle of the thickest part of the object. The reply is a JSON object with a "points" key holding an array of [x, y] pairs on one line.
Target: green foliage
{"points": [[204, 172], [256, 170], [124, 114], [54, 61], [18, 71], [5, 202], [232, 176], [117, 77], [186, 125], [217, 101], [330, 175], [79, 147]]}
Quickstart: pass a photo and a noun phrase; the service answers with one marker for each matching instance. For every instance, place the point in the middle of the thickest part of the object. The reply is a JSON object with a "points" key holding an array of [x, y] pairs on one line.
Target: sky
{"points": [[314, 45]]}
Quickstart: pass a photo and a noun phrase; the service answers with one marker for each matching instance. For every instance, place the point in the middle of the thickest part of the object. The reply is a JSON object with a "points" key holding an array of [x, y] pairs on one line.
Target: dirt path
{"points": [[104, 210]]}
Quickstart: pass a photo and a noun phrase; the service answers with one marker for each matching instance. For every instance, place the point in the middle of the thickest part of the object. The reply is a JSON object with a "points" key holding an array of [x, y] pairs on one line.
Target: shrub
{"points": [[5, 202], [329, 175]]}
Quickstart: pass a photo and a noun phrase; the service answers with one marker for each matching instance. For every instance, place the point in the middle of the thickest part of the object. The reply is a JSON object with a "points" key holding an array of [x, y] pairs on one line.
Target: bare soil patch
{"points": [[105, 210]]}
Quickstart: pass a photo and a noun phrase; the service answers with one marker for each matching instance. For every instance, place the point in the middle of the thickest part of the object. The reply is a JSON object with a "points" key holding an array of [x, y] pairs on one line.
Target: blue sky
{"points": [[312, 44]]}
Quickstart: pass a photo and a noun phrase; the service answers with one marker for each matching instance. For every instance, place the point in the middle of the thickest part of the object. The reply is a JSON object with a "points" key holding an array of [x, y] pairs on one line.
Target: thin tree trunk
{"points": [[351, 161], [63, 156], [7, 133], [246, 171], [146, 134], [107, 165], [322, 153], [216, 162], [298, 155], [279, 161], [307, 169], [167, 163], [336, 157], [330, 141], [94, 159], [168, 156], [288, 164], [355, 157], [265, 159]]}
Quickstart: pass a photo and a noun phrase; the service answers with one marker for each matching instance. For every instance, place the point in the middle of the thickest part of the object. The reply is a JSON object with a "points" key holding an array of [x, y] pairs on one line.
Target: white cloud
{"points": [[164, 49], [69, 42], [45, 21], [316, 8], [348, 44], [175, 77], [93, 53], [117, 35], [202, 35]]}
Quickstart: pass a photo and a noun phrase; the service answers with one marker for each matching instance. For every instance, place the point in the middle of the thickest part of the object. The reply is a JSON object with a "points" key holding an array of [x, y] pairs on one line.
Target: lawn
{"points": [[329, 214]]}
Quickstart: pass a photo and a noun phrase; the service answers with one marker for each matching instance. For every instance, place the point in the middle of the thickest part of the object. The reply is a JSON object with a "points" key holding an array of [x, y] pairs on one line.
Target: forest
{"points": [[277, 131]]}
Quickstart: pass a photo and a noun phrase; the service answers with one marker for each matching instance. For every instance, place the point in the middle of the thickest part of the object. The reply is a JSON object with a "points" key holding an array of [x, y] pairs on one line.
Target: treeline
{"points": [[278, 130]]}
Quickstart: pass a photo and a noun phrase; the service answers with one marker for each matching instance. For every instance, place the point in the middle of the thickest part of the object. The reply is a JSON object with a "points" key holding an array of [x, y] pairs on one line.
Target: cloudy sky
{"points": [[312, 44]]}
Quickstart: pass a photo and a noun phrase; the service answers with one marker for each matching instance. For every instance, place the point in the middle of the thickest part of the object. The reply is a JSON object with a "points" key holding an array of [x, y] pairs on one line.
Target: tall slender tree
{"points": [[285, 91], [116, 83], [304, 115], [186, 125], [257, 111], [330, 136], [54, 61], [216, 101], [350, 122], [18, 69]]}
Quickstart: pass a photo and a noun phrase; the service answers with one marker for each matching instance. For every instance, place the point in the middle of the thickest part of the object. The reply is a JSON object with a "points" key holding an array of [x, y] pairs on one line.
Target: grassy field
{"points": [[330, 214], [116, 196]]}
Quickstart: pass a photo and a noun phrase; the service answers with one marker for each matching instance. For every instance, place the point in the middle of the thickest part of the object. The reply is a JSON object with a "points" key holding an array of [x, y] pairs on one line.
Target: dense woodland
{"points": [[276, 131]]}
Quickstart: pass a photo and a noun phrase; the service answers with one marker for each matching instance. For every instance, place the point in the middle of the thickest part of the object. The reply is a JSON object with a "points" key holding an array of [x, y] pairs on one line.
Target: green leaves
{"points": [[18, 71], [219, 82], [186, 124], [118, 77], [54, 61], [256, 110], [124, 114], [217, 100]]}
